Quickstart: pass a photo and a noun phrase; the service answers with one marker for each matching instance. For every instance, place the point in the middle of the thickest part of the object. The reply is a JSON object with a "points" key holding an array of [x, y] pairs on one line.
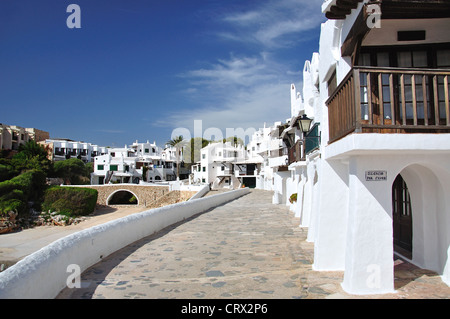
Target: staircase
{"points": [[109, 175]]}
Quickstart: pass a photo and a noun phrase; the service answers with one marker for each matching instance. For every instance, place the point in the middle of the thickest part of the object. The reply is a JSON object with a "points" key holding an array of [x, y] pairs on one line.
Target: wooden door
{"points": [[402, 217]]}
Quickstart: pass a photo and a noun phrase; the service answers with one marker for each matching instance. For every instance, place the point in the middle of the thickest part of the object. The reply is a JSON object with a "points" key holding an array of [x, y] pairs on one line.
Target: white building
{"points": [[62, 149], [376, 187], [250, 170], [217, 165], [119, 165], [140, 162]]}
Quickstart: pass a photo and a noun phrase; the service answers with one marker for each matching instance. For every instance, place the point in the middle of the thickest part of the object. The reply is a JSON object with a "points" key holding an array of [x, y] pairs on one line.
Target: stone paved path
{"points": [[248, 248]]}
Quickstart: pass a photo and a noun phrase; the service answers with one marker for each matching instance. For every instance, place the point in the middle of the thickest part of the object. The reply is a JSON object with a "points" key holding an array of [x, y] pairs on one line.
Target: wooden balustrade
{"points": [[296, 153], [390, 100]]}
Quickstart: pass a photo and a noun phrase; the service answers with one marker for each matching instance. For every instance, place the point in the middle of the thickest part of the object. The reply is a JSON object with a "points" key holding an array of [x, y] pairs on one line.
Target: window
{"points": [[383, 59], [100, 167], [408, 59], [113, 168], [443, 59], [411, 35], [409, 56], [147, 150], [204, 168], [203, 156]]}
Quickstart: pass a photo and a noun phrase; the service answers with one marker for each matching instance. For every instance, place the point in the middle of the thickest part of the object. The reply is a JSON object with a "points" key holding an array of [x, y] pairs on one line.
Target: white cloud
{"points": [[246, 110], [243, 90], [236, 93], [242, 72], [271, 23]]}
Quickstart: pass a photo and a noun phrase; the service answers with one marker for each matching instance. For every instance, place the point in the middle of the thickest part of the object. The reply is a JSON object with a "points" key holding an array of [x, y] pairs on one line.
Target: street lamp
{"points": [[304, 123]]}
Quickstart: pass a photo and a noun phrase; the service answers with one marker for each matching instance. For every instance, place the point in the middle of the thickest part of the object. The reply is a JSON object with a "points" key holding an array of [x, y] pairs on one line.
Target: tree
{"points": [[177, 142], [193, 149], [31, 149], [73, 171], [233, 140], [31, 156], [7, 171]]}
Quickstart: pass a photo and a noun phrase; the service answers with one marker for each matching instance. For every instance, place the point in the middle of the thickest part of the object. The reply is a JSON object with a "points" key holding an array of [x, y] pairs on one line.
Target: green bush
{"points": [[70, 200], [6, 172], [7, 187], [73, 171], [18, 191], [32, 183], [15, 205], [14, 200]]}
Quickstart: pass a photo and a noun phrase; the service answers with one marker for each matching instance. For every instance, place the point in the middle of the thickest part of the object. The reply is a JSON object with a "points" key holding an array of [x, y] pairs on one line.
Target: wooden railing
{"points": [[390, 100]]}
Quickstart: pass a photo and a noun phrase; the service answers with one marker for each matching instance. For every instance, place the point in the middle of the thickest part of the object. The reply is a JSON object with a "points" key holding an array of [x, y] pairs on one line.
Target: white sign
{"points": [[373, 176]]}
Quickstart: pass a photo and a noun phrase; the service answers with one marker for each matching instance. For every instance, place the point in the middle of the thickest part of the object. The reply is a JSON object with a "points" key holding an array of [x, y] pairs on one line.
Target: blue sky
{"points": [[139, 69]]}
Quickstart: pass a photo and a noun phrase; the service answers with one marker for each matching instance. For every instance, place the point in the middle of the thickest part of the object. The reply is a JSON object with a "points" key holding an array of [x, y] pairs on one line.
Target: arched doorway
{"points": [[402, 217], [122, 197], [428, 184]]}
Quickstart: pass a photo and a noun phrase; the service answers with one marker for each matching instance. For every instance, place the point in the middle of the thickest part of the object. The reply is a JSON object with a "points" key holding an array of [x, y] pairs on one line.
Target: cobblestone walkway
{"points": [[248, 248]]}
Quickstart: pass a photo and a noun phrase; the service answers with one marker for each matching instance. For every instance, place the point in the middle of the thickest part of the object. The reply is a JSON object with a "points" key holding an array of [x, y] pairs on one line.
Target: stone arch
{"points": [[121, 190], [431, 215]]}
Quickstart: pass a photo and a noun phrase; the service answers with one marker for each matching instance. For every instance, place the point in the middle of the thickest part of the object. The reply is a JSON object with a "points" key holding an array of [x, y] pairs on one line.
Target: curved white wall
{"points": [[43, 274]]}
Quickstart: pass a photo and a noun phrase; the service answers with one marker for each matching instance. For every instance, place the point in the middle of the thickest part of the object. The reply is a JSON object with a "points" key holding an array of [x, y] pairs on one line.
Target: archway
{"points": [[429, 208], [122, 197], [402, 217]]}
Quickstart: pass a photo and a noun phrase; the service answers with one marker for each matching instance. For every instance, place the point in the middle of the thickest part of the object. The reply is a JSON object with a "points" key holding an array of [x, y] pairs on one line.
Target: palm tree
{"points": [[177, 142]]}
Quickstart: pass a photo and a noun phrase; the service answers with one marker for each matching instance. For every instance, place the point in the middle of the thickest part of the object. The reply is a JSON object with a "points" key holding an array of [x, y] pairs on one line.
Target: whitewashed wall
{"points": [[43, 274]]}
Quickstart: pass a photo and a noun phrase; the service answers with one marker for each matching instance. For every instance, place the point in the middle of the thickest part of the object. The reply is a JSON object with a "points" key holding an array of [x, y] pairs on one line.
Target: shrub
{"points": [[6, 172], [31, 156], [18, 191], [14, 205], [7, 187], [70, 200], [32, 183], [73, 171], [133, 200]]}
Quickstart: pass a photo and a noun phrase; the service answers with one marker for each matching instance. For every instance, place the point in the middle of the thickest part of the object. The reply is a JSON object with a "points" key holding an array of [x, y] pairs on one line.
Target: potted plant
{"points": [[293, 198]]}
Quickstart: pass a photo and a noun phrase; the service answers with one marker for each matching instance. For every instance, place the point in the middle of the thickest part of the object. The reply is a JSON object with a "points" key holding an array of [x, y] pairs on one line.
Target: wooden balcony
{"points": [[390, 100], [296, 153]]}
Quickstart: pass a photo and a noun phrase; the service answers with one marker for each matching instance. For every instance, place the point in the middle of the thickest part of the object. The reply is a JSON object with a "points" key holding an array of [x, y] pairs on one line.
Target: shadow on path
{"points": [[95, 275]]}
